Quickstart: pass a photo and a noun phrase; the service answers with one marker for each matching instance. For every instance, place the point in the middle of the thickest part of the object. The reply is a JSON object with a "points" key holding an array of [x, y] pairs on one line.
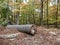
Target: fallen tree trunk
{"points": [[29, 28]]}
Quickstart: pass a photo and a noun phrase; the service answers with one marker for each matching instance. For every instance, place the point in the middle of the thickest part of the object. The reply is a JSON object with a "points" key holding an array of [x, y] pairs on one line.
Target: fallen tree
{"points": [[29, 28]]}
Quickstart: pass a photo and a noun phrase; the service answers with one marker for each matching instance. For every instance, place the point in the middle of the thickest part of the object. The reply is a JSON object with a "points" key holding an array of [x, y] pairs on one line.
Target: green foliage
{"points": [[4, 11], [30, 15]]}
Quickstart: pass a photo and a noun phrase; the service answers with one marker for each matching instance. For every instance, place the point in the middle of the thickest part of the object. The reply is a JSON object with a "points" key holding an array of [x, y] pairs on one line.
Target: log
{"points": [[29, 28], [8, 36]]}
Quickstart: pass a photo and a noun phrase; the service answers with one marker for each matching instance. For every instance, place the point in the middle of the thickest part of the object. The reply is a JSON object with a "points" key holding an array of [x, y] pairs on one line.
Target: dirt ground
{"points": [[43, 36]]}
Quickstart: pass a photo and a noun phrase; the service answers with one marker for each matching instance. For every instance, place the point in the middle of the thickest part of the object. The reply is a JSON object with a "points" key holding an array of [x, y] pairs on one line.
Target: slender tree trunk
{"points": [[41, 16], [57, 13], [47, 15]]}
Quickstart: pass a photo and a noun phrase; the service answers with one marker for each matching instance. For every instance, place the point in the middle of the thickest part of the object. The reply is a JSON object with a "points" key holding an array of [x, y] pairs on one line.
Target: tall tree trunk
{"points": [[41, 16]]}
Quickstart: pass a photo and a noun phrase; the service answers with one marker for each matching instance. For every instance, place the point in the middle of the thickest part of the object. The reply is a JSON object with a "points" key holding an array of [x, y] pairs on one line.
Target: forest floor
{"points": [[43, 36]]}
